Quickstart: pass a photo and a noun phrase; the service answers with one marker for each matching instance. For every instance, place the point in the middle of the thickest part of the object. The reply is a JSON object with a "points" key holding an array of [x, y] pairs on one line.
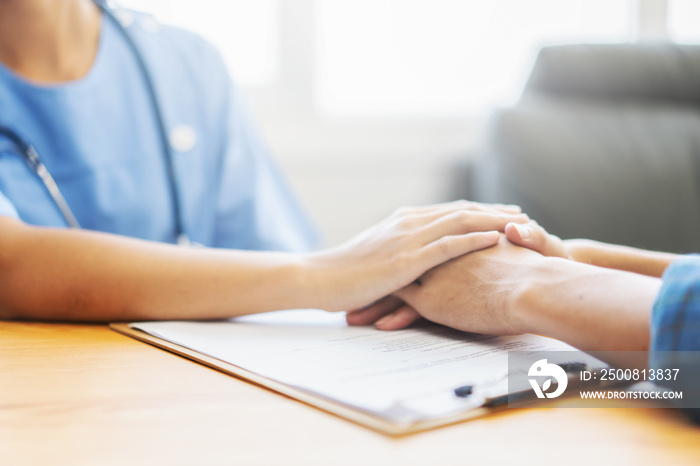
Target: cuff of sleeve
{"points": [[675, 317], [675, 332]]}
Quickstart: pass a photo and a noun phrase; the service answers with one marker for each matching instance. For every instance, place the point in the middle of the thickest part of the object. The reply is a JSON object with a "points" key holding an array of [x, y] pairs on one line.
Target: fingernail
{"points": [[523, 230], [387, 318]]}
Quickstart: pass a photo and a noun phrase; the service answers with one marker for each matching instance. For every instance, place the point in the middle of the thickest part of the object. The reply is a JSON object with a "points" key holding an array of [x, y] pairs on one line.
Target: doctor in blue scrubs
{"points": [[148, 144]]}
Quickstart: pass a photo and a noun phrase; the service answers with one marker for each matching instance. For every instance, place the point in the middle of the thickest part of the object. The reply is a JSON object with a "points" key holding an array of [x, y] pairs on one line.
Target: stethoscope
{"points": [[32, 157]]}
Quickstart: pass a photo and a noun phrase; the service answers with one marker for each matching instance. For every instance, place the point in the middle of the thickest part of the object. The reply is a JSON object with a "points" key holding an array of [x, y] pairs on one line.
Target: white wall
{"points": [[349, 172], [351, 175]]}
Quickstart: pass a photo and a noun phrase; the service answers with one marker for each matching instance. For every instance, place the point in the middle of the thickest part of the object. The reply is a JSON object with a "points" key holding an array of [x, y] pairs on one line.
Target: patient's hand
{"points": [[389, 313], [477, 292], [532, 236]]}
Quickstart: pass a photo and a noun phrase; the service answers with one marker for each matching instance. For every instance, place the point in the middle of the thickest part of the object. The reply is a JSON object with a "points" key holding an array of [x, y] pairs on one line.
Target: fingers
{"points": [[373, 312], [481, 206], [410, 295], [462, 222], [533, 236], [451, 246], [433, 212], [389, 313], [401, 318], [524, 235], [509, 208]]}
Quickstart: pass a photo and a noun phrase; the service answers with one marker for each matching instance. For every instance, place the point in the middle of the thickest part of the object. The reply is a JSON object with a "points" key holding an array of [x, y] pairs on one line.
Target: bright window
{"points": [[683, 21], [446, 57], [244, 31]]}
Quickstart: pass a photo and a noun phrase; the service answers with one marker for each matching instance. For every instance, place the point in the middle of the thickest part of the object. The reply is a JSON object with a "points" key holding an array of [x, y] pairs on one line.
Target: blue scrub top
{"points": [[98, 137]]}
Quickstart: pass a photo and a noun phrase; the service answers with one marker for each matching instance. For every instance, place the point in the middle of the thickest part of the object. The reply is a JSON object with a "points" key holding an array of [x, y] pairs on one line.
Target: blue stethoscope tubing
{"points": [[32, 157]]}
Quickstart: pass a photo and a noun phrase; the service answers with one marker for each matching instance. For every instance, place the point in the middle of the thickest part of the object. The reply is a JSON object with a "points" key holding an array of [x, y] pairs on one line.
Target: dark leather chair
{"points": [[604, 144]]}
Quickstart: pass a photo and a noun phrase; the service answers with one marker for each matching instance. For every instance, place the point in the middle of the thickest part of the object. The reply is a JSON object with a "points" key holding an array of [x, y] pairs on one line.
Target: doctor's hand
{"points": [[398, 250]]}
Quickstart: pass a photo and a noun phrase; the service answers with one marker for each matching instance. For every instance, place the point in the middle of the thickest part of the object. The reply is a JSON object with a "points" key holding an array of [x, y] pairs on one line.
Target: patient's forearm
{"points": [[590, 308], [613, 256]]}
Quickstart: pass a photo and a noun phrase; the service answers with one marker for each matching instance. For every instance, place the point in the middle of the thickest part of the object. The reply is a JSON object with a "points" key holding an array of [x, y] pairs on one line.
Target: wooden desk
{"points": [[81, 394]]}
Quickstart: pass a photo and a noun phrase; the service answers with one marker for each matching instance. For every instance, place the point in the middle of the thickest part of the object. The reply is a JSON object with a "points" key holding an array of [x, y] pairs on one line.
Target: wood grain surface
{"points": [[86, 395]]}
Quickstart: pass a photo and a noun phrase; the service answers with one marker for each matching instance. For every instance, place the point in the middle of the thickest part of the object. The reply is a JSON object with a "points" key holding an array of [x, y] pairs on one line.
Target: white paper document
{"points": [[404, 376]]}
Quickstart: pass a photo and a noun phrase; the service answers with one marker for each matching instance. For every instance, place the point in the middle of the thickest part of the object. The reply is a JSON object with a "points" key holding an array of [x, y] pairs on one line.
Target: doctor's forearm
{"points": [[53, 274], [60, 274]]}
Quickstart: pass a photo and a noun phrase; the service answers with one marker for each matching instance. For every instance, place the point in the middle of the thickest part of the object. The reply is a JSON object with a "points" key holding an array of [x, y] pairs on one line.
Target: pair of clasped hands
{"points": [[487, 251]]}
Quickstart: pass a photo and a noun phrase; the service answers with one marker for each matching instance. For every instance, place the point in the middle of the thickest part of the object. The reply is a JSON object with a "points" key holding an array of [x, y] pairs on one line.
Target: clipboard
{"points": [[389, 421], [328, 405]]}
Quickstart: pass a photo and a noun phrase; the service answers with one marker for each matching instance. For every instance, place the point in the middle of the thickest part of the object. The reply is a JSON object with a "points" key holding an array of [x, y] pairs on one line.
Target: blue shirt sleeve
{"points": [[6, 207], [675, 319], [257, 210], [675, 331]]}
